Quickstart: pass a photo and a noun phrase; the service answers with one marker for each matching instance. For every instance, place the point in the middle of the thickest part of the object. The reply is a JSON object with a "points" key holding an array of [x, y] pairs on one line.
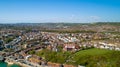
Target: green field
{"points": [[90, 57], [93, 51], [96, 58]]}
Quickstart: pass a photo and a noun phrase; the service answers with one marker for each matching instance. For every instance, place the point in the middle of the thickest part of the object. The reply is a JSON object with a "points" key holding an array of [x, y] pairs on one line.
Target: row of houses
{"points": [[67, 39], [14, 44], [109, 46]]}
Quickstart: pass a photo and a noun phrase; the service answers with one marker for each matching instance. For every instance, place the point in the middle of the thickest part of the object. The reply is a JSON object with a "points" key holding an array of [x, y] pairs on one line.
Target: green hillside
{"points": [[96, 58], [90, 58]]}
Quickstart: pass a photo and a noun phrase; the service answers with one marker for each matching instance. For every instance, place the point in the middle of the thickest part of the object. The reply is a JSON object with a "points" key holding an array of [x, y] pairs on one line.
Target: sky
{"points": [[75, 11]]}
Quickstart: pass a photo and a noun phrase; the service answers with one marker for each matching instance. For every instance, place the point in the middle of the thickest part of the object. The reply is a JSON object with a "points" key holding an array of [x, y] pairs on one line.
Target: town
{"points": [[33, 45]]}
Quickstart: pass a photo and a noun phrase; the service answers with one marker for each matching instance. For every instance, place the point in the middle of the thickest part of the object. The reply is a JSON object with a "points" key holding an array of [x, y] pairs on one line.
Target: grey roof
{"points": [[1, 58]]}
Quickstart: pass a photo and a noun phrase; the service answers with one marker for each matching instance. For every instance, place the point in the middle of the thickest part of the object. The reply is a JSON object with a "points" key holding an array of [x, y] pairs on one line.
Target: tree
{"points": [[8, 40], [31, 52]]}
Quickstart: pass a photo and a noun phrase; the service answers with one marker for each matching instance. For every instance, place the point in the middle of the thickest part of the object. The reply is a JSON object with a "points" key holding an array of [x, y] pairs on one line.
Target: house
{"points": [[1, 44], [8, 46], [2, 58], [50, 64], [71, 47], [117, 49], [66, 65]]}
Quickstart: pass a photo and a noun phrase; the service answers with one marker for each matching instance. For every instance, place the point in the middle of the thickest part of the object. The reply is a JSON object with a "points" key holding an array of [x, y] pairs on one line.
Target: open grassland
{"points": [[90, 57], [96, 58], [93, 51]]}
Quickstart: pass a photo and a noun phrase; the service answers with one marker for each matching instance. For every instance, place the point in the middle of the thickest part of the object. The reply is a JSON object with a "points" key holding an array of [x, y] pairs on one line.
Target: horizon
{"points": [[57, 11], [57, 22]]}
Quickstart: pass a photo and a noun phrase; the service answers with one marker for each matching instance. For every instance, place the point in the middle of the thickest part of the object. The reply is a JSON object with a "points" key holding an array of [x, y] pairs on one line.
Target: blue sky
{"points": [[36, 11]]}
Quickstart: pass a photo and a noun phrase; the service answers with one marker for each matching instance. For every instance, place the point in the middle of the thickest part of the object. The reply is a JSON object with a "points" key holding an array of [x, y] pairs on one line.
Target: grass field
{"points": [[93, 51], [96, 58], [90, 57]]}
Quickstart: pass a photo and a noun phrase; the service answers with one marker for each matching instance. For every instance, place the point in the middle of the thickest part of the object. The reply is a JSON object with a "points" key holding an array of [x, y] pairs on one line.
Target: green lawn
{"points": [[96, 58], [90, 57], [93, 52]]}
